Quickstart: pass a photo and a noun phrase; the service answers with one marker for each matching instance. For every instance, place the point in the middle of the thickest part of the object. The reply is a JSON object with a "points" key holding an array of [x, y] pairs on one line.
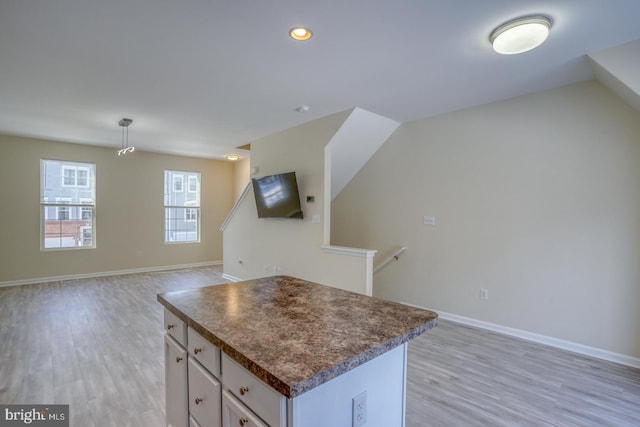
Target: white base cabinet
{"points": [[192, 368], [247, 401], [206, 388], [204, 395], [235, 414], [175, 362]]}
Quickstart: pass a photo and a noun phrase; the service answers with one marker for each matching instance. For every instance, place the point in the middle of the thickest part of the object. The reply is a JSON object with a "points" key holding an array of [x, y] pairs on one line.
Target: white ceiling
{"points": [[201, 77]]}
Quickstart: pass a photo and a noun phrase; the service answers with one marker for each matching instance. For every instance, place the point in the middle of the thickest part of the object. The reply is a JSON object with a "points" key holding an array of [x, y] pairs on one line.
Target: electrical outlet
{"points": [[359, 410], [484, 294], [429, 220]]}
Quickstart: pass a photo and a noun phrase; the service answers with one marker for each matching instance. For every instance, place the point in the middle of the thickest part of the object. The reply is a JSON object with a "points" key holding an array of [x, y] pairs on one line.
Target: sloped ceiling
{"points": [[618, 68], [203, 77]]}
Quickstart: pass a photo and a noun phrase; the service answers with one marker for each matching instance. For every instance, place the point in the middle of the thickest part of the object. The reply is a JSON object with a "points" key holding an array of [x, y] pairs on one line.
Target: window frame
{"points": [[179, 200], [51, 208]]}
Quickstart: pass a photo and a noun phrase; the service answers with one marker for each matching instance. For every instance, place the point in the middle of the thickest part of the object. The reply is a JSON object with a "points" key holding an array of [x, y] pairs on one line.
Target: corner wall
{"points": [[535, 198], [256, 247], [129, 211], [241, 177]]}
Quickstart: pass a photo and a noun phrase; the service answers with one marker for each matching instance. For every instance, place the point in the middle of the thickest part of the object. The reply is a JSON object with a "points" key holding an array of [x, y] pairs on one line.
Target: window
{"points": [[177, 183], [75, 175], [193, 184], [67, 204], [181, 209], [190, 214], [63, 213], [87, 213]]}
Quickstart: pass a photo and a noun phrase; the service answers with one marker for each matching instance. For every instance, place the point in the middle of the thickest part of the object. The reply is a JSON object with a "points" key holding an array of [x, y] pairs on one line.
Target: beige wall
{"points": [[129, 210], [241, 176], [536, 199], [253, 247]]}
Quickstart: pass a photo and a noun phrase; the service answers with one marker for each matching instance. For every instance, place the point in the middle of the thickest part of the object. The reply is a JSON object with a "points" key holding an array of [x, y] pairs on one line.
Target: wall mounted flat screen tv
{"points": [[277, 196]]}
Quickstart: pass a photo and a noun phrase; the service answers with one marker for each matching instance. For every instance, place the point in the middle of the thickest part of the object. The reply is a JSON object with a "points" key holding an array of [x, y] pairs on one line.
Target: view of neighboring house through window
{"points": [[181, 206], [67, 204]]}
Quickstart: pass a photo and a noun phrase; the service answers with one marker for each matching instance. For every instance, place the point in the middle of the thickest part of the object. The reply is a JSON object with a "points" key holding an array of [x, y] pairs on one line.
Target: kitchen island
{"points": [[284, 352]]}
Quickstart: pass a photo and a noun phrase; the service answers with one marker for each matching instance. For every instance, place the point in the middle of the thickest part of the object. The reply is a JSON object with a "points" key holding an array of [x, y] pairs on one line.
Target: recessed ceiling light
{"points": [[232, 157], [303, 109], [300, 33], [521, 34]]}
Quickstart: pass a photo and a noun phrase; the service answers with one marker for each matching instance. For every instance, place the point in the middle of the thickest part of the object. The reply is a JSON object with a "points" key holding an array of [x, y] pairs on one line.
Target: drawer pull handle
{"points": [[178, 359], [244, 390], [198, 400], [170, 326], [243, 421], [197, 350]]}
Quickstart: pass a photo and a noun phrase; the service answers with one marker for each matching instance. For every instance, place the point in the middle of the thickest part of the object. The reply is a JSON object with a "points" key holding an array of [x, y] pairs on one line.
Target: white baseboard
{"points": [[586, 350], [107, 273], [231, 278]]}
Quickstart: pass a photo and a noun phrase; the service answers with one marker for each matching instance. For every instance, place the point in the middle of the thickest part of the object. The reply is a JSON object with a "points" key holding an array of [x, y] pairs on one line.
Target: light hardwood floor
{"points": [[97, 344]]}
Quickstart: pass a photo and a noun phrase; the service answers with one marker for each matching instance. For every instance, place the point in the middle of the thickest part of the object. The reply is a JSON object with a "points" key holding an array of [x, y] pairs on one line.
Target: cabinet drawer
{"points": [[204, 395], [234, 413], [175, 327], [267, 403], [204, 352]]}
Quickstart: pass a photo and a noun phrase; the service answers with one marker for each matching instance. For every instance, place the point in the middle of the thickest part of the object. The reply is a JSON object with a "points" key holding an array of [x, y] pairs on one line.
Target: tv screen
{"points": [[277, 196]]}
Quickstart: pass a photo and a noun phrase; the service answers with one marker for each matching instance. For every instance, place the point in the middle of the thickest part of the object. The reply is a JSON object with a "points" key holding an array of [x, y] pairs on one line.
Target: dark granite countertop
{"points": [[294, 334]]}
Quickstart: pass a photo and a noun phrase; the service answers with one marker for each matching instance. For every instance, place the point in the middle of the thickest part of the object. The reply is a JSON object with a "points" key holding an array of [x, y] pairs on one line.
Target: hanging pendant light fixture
{"points": [[125, 148]]}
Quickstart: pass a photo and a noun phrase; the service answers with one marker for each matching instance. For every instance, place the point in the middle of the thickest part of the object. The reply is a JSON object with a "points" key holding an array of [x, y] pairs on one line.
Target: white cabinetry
{"points": [[175, 362], [236, 414], [261, 399], [204, 395], [206, 388], [192, 366]]}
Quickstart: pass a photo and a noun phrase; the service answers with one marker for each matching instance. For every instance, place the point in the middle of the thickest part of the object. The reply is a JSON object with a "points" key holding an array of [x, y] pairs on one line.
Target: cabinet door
{"points": [[204, 395], [175, 366], [235, 414]]}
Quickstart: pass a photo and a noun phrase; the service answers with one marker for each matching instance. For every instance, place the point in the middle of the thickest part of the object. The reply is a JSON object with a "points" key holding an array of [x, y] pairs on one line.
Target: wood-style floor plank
{"points": [[460, 375], [97, 344]]}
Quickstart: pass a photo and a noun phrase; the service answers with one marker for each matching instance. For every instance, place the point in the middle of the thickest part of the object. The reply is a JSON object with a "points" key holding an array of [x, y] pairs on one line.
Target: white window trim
{"points": [[66, 202], [191, 204]]}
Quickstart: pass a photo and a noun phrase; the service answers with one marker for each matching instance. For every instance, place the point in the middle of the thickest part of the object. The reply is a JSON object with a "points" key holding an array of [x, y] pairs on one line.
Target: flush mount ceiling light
{"points": [[521, 34], [300, 33], [232, 157], [125, 148]]}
